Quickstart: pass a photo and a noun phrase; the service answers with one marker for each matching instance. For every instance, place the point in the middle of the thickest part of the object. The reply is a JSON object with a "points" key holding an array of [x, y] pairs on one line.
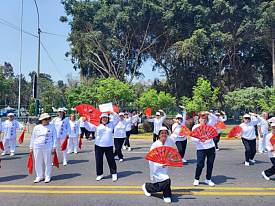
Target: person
{"points": [[9, 129], [135, 121], [43, 144], [161, 182], [180, 141], [221, 118], [62, 128], [157, 121], [262, 132], [87, 129], [248, 136], [212, 121], [104, 145], [128, 120], [74, 134], [271, 154], [205, 149]]}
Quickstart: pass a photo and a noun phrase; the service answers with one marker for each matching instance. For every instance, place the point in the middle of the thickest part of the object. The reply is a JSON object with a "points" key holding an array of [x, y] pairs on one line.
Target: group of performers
{"points": [[113, 133]]}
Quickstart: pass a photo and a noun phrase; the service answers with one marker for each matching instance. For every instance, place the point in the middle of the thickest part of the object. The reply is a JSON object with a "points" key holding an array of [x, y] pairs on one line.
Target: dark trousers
{"points": [[164, 186], [216, 140], [134, 129], [118, 146], [127, 139], [109, 153], [155, 137], [181, 145], [201, 155], [85, 132], [271, 171], [250, 149]]}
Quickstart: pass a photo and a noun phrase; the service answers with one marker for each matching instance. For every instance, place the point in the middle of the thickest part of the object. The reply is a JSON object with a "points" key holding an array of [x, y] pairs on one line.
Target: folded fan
{"points": [[235, 132], [21, 137], [185, 131], [220, 125], [204, 132], [65, 143], [1, 145], [165, 155], [55, 160], [80, 143], [30, 163]]}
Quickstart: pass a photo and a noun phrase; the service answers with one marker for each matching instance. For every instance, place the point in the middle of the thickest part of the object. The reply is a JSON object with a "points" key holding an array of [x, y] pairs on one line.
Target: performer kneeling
{"points": [[158, 172], [43, 143]]}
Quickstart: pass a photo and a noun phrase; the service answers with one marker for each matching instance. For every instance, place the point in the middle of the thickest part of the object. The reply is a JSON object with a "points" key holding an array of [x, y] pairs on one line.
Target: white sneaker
{"points": [[246, 164], [12, 154], [264, 176], [98, 178], [167, 199], [184, 160], [47, 179], [3, 153], [69, 152], [196, 182], [65, 163], [129, 149], [75, 152], [145, 191], [37, 179], [217, 149], [252, 161], [114, 177], [210, 183], [124, 147], [121, 160]]}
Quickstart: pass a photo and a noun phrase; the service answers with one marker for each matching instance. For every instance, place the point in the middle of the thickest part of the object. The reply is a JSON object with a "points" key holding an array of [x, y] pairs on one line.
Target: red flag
{"points": [[148, 112], [30, 163], [55, 160], [80, 143], [64, 144], [21, 137], [1, 145]]}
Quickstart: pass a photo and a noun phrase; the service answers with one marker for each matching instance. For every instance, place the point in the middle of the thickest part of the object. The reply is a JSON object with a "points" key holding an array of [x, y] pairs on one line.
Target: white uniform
{"points": [[128, 124], [157, 123], [87, 125], [120, 129], [9, 130], [264, 129], [43, 140], [248, 130], [202, 145], [176, 128], [158, 173], [73, 136], [269, 147]]}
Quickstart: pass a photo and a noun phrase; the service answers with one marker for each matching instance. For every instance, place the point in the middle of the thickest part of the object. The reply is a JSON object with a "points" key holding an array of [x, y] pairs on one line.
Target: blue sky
{"points": [[56, 45]]}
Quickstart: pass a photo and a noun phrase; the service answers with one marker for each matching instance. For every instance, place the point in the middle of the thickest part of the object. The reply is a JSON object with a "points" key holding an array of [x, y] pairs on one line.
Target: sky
{"points": [[54, 63]]}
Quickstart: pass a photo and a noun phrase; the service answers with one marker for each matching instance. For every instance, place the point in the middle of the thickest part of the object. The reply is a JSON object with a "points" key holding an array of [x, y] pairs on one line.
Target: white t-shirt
{"points": [[74, 128], [120, 129], [249, 129], [62, 127], [157, 123], [43, 136], [9, 128]]}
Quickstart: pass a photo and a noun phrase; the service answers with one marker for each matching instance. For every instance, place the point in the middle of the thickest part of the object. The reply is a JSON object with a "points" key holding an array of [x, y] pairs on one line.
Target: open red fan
{"points": [[235, 132], [64, 144], [21, 137], [165, 155], [30, 163], [220, 125], [148, 112], [80, 143], [91, 113], [272, 140], [185, 131], [204, 132], [1, 145], [55, 160]]}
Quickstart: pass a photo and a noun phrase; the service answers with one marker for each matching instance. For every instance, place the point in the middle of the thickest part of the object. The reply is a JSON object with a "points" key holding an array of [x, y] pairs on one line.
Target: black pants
{"points": [[164, 186], [109, 153], [216, 140], [155, 137], [201, 155], [85, 132], [127, 139], [250, 149], [134, 129], [271, 171], [181, 145], [118, 146]]}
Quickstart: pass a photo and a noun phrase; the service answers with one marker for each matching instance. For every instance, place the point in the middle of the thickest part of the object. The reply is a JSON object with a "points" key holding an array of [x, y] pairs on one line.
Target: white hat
{"points": [[10, 114], [65, 109], [217, 113], [163, 129], [104, 115], [178, 116], [246, 116], [60, 109], [44, 116], [121, 114], [157, 113], [273, 124]]}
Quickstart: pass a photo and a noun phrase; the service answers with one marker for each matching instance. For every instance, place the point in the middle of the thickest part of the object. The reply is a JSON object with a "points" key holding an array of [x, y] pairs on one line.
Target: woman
{"points": [[87, 129], [205, 149], [221, 118], [128, 120], [62, 128], [158, 172], [74, 134], [104, 145], [9, 129], [43, 144], [157, 121]]}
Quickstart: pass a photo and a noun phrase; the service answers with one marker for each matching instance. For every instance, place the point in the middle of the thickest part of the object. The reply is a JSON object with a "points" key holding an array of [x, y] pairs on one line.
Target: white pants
{"points": [[43, 158], [9, 144], [73, 144], [261, 144], [59, 142]]}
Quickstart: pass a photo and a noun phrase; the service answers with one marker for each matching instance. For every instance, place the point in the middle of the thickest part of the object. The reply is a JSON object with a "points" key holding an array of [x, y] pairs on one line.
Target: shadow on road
{"points": [[219, 179], [124, 174], [11, 158], [66, 176], [133, 158], [72, 162], [12, 177]]}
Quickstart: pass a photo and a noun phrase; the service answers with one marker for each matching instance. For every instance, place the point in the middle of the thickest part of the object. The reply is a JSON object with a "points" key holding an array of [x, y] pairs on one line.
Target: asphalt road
{"points": [[75, 184]]}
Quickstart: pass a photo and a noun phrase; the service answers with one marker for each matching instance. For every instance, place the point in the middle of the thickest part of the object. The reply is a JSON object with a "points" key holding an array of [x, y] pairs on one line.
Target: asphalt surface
{"points": [[75, 183]]}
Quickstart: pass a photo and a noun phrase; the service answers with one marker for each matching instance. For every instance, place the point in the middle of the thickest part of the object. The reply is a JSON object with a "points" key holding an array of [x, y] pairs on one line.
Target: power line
{"points": [[53, 34]]}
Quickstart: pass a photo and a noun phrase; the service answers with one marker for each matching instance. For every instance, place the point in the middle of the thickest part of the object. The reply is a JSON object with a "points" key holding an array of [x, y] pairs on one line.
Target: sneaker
{"points": [[252, 161], [75, 152], [246, 164], [114, 177], [121, 160], [184, 160], [210, 183], [217, 149], [98, 178], [196, 182], [124, 147], [145, 191], [12, 154], [129, 149], [69, 152], [47, 179], [65, 163], [264, 176], [3, 153], [37, 179], [167, 199]]}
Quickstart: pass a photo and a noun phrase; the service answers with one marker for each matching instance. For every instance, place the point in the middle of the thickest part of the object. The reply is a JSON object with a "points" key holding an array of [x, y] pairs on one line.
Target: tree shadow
{"points": [[65, 176], [72, 162], [219, 179], [11, 158], [133, 158], [12, 177]]}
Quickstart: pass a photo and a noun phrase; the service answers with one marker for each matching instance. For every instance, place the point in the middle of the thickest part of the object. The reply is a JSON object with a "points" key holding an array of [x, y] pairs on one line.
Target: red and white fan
{"points": [[204, 132], [235, 132]]}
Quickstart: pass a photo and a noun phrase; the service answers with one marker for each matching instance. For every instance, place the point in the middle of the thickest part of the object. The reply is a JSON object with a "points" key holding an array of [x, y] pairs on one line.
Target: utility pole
{"points": [[273, 60]]}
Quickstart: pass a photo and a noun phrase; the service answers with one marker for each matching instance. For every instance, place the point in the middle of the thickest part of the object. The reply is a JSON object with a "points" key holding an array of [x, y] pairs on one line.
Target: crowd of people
{"points": [[112, 135]]}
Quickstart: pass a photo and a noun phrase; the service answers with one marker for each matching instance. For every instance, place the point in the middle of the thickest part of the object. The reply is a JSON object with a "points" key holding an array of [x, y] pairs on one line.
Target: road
{"points": [[75, 184]]}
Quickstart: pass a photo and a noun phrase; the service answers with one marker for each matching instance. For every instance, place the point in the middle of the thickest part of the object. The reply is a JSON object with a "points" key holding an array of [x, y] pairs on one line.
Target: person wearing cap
{"points": [[74, 134], [160, 181], [262, 132], [43, 144], [271, 153], [135, 121], [62, 128], [104, 145], [180, 141], [221, 118], [128, 119], [157, 121], [9, 128], [205, 149], [248, 136]]}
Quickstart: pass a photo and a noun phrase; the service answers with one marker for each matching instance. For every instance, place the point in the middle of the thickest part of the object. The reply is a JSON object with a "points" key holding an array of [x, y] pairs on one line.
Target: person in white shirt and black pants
{"points": [[104, 145], [128, 120], [157, 121]]}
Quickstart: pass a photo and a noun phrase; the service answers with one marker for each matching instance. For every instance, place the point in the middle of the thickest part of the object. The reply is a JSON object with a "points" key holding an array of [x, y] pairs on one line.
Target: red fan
{"points": [[30, 163], [91, 113], [80, 143], [21, 137], [272, 140], [165, 155], [64, 144], [115, 108], [148, 112], [220, 125], [55, 160], [185, 131], [235, 132], [204, 132], [1, 145]]}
